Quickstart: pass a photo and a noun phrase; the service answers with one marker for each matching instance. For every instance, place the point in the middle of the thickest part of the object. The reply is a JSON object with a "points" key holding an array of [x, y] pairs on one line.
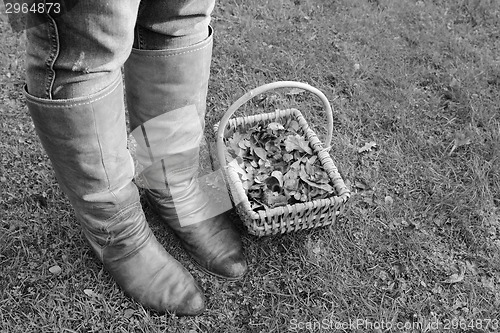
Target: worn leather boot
{"points": [[86, 141], [166, 96]]}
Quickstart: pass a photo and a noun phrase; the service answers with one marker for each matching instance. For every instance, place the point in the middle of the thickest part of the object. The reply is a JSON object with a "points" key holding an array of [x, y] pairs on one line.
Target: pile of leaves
{"points": [[277, 166]]}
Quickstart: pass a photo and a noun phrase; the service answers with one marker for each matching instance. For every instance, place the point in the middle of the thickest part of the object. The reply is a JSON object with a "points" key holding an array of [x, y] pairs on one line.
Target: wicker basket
{"points": [[282, 219]]}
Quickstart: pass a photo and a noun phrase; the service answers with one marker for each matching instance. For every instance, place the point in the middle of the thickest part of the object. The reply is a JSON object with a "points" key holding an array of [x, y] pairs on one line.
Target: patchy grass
{"points": [[416, 77]]}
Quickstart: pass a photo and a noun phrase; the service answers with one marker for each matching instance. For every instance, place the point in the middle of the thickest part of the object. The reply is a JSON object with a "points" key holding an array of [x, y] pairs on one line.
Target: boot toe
{"points": [[232, 267], [194, 306], [191, 305], [156, 280], [184, 299]]}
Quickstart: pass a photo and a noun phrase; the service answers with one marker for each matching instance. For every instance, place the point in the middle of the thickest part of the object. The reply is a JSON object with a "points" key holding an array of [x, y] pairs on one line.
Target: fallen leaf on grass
{"points": [[128, 313], [457, 277], [471, 267], [361, 184], [367, 147], [461, 139], [55, 270], [90, 293], [488, 283], [437, 289]]}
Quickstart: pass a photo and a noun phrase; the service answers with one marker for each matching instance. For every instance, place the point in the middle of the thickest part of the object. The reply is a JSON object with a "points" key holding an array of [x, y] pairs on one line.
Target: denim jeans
{"points": [[82, 51]]}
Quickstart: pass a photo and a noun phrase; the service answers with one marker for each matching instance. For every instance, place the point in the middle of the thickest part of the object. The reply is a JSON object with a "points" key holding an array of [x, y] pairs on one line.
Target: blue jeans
{"points": [[82, 51]]}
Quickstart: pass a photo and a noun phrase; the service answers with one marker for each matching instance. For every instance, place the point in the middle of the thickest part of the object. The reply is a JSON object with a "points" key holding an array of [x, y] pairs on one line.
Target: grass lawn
{"points": [[418, 243]]}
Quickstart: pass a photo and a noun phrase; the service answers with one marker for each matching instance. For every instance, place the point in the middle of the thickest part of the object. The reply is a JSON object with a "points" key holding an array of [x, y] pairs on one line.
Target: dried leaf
{"points": [[314, 171], [260, 152], [471, 267], [488, 282], [273, 184], [259, 179], [128, 313], [305, 177], [255, 192], [287, 157], [234, 163], [279, 176], [298, 143], [264, 164], [275, 200], [367, 147], [361, 184], [90, 293], [454, 278], [274, 126], [245, 184], [56, 270], [272, 148], [457, 277], [312, 159], [461, 139], [234, 142], [291, 179], [294, 125]]}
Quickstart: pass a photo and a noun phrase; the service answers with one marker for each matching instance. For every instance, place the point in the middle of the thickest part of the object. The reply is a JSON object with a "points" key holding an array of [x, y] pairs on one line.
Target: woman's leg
{"points": [[166, 78], [75, 96], [80, 52]]}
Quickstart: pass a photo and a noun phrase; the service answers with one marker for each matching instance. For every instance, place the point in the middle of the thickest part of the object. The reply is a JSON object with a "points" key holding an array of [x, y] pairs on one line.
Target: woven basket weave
{"points": [[288, 218]]}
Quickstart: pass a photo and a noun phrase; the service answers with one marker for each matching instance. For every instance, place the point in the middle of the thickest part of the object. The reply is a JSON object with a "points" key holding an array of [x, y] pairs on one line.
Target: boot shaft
{"points": [[167, 92], [176, 79], [86, 141]]}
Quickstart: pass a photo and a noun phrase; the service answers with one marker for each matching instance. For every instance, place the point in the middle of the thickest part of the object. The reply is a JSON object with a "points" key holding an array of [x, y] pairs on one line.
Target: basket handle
{"points": [[259, 90]]}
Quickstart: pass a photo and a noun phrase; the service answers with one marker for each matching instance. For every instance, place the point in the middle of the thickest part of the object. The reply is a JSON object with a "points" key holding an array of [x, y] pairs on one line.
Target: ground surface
{"points": [[420, 239]]}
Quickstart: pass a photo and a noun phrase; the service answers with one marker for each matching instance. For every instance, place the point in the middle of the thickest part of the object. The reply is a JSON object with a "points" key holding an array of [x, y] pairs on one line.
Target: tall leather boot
{"points": [[166, 99], [86, 141]]}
